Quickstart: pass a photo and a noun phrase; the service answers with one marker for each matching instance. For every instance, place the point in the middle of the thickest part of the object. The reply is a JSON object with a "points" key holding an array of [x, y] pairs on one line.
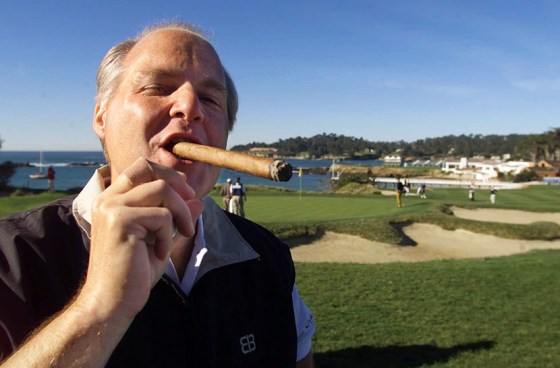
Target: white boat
{"points": [[39, 174]]}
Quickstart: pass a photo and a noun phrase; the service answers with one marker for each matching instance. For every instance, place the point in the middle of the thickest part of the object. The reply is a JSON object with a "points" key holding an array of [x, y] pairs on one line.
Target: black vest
{"points": [[240, 315]]}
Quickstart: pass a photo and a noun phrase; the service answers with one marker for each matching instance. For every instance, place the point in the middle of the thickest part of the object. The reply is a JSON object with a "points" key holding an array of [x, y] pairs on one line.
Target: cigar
{"points": [[267, 168]]}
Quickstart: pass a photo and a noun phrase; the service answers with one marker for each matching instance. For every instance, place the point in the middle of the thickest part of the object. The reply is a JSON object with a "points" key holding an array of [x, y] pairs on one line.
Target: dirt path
{"points": [[433, 242]]}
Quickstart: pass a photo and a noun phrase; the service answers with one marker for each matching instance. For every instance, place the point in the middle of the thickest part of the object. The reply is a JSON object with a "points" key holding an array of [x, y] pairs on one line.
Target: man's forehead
{"points": [[175, 41], [180, 37], [175, 48]]}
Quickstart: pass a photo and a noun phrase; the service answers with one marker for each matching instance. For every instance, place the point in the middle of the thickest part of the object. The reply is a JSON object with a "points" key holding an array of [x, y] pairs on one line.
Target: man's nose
{"points": [[186, 105]]}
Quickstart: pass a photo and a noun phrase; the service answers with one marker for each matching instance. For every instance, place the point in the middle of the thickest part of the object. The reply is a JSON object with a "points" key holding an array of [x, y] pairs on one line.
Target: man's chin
{"points": [[202, 181]]}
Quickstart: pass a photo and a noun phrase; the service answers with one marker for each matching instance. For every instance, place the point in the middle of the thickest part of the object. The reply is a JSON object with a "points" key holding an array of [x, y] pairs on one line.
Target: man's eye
{"points": [[156, 89], [210, 99]]}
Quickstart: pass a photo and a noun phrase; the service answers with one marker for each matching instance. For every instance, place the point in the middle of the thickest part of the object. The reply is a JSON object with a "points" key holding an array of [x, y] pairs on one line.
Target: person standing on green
{"points": [[238, 198], [226, 194], [400, 189], [493, 192]]}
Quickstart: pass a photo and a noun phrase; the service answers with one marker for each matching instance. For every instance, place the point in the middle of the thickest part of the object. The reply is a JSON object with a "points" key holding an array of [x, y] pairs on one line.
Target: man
{"points": [[493, 192], [50, 178], [422, 191], [472, 188], [400, 190], [142, 269], [225, 192], [237, 198]]}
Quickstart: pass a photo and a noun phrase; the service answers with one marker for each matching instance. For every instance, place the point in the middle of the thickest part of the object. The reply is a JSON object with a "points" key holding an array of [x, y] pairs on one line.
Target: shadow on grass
{"points": [[305, 240], [410, 356], [405, 239]]}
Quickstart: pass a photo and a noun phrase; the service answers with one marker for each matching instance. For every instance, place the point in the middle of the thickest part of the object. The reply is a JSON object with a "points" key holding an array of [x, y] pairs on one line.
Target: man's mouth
{"points": [[169, 147]]}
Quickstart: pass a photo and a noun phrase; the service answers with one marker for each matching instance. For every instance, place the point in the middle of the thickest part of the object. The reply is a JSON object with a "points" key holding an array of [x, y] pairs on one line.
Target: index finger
{"points": [[144, 171]]}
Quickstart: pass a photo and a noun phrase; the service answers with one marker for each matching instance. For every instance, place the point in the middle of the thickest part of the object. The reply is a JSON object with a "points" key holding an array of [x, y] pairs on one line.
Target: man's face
{"points": [[173, 89]]}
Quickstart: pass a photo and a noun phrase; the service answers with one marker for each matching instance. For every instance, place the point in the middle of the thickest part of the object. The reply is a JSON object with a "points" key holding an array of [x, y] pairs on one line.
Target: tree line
{"points": [[532, 147]]}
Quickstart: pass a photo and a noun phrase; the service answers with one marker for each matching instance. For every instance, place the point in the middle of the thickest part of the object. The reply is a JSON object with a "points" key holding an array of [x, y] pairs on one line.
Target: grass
{"points": [[496, 312], [11, 204], [375, 217], [501, 312]]}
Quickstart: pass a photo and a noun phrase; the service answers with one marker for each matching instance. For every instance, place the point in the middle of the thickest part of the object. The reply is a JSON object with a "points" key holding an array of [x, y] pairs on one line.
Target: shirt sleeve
{"points": [[305, 325]]}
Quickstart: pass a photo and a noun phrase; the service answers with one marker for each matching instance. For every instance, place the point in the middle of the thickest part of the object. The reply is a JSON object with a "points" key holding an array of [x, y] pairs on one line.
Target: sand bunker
{"points": [[506, 216], [433, 242]]}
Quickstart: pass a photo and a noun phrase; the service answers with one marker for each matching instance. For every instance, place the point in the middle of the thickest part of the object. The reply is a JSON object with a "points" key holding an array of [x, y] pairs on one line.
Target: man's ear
{"points": [[99, 121]]}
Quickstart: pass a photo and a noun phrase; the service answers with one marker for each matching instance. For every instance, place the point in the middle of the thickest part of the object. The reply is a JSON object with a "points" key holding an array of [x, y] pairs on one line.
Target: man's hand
{"points": [[132, 234], [145, 199]]}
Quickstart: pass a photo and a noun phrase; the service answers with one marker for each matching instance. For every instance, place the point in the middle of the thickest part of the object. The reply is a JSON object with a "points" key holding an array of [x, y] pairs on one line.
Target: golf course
{"points": [[442, 282]]}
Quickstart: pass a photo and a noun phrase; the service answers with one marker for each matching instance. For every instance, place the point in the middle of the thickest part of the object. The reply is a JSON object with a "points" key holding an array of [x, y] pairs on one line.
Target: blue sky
{"points": [[379, 70]]}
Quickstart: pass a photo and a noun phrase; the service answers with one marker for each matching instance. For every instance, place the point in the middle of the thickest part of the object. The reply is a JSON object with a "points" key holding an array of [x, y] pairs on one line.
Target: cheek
{"points": [[203, 179], [217, 132], [132, 121], [126, 134]]}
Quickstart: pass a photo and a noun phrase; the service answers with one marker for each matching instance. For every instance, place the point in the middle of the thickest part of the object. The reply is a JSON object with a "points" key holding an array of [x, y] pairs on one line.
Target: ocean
{"points": [[73, 170]]}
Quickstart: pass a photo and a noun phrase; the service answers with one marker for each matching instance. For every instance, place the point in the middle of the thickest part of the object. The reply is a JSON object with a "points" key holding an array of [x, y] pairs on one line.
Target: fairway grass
{"points": [[376, 217], [500, 312], [13, 204]]}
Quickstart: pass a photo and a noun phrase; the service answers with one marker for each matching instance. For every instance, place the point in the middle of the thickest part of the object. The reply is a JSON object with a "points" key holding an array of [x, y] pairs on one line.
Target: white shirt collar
{"points": [[198, 252], [223, 243]]}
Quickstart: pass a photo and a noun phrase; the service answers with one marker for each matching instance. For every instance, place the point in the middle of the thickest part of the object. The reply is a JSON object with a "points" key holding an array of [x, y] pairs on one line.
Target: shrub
{"points": [[525, 176], [347, 178], [7, 169]]}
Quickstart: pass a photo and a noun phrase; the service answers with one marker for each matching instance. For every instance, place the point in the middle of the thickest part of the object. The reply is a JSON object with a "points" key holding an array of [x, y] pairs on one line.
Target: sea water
{"points": [[73, 170]]}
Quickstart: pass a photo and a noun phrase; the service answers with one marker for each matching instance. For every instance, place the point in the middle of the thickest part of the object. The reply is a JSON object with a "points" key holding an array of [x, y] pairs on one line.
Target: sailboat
{"points": [[40, 174]]}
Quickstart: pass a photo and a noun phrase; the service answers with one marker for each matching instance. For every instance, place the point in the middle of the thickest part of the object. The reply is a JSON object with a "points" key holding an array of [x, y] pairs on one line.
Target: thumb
{"points": [[196, 207]]}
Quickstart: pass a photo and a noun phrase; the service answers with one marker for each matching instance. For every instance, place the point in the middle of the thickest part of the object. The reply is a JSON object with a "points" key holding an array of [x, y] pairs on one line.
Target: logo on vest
{"points": [[248, 344]]}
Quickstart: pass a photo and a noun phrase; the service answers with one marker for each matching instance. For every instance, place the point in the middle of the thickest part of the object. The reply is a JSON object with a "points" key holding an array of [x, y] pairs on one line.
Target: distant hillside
{"points": [[325, 145]]}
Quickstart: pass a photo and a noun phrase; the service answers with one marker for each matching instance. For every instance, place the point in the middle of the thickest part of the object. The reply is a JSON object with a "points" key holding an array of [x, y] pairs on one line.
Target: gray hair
{"points": [[112, 68]]}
